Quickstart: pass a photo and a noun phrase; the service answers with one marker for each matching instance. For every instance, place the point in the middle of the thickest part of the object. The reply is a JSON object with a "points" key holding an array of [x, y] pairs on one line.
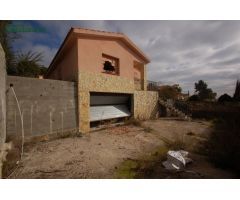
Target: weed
{"points": [[148, 129], [127, 169], [134, 122], [65, 135], [143, 167], [177, 144], [190, 133]]}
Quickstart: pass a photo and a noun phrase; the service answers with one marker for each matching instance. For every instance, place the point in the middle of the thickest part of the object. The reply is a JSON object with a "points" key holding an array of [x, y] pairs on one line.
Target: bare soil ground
{"points": [[119, 152]]}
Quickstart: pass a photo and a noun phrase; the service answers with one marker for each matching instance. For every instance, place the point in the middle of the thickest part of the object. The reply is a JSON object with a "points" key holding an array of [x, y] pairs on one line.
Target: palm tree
{"points": [[6, 40], [28, 64]]}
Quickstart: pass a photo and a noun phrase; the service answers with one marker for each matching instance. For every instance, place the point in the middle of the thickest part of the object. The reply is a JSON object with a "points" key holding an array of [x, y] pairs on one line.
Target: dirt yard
{"points": [[118, 152]]}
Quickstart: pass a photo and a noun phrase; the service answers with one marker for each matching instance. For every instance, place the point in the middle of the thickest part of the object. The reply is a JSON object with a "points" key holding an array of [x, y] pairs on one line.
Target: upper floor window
{"points": [[110, 64]]}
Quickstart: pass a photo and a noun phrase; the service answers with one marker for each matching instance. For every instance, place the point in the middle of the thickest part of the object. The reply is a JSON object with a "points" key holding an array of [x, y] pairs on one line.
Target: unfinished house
{"points": [[110, 72]]}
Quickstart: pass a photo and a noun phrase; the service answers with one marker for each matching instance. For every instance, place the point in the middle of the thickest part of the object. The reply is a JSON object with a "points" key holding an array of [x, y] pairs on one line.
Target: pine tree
{"points": [[203, 91], [236, 95]]}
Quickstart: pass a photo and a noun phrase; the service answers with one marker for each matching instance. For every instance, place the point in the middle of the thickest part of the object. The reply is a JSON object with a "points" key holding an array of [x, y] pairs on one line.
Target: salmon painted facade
{"points": [[108, 67]]}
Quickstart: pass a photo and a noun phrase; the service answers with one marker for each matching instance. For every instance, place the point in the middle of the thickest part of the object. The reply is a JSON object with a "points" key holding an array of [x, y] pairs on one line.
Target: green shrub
{"points": [[193, 98], [223, 145], [169, 92], [225, 98]]}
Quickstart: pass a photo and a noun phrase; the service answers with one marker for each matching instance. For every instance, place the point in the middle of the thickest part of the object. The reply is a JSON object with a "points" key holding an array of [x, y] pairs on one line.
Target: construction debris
{"points": [[176, 160]]}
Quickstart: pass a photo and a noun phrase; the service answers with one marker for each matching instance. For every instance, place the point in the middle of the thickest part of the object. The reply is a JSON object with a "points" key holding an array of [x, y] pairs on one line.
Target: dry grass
{"points": [[190, 133], [148, 129], [177, 145], [139, 123], [134, 122], [142, 167]]}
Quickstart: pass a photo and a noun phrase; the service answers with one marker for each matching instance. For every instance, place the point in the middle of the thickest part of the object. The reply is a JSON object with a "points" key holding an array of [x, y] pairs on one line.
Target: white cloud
{"points": [[48, 53], [181, 51]]}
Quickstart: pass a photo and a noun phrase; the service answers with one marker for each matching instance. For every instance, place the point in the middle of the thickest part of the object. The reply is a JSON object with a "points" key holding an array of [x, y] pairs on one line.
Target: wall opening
{"points": [[109, 108], [110, 64]]}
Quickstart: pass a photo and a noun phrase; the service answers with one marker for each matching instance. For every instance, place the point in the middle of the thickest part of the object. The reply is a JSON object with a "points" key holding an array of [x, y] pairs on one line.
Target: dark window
{"points": [[110, 64]]}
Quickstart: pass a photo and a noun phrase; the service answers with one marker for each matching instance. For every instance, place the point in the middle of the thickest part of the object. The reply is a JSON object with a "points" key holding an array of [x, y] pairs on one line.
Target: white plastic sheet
{"points": [[176, 160]]}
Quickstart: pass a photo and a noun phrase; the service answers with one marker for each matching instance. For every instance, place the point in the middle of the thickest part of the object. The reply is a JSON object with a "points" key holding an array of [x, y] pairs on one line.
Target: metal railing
{"points": [[183, 107], [151, 85]]}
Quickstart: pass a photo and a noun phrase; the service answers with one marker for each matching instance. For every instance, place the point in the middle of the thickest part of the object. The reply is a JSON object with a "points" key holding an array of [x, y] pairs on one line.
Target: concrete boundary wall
{"points": [[47, 106], [2, 97], [3, 146], [52, 106]]}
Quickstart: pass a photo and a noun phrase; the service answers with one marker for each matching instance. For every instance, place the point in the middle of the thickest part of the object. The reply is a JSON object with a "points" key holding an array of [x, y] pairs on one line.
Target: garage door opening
{"points": [[109, 107]]}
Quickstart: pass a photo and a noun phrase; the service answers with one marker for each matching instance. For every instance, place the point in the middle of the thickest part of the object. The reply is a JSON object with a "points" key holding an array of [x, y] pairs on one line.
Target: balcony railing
{"points": [[151, 85]]}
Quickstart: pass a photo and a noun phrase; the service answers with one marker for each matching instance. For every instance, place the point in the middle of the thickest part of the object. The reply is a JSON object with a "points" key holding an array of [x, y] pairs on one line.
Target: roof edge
{"points": [[59, 50], [114, 35]]}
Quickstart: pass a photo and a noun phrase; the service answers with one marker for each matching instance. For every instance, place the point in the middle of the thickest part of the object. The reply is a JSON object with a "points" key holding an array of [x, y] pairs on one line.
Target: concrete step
{"points": [[174, 110]]}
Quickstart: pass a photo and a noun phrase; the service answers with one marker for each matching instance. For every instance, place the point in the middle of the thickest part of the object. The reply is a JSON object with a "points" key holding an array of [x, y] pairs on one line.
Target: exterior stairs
{"points": [[170, 106]]}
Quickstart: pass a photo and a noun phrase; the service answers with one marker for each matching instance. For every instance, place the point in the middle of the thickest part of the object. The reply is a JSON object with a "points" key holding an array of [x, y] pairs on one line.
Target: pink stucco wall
{"points": [[90, 56], [138, 71], [85, 54], [66, 68]]}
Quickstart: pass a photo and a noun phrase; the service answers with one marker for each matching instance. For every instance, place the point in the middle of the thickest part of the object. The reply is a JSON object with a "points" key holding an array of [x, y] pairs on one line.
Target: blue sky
{"points": [[181, 52]]}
